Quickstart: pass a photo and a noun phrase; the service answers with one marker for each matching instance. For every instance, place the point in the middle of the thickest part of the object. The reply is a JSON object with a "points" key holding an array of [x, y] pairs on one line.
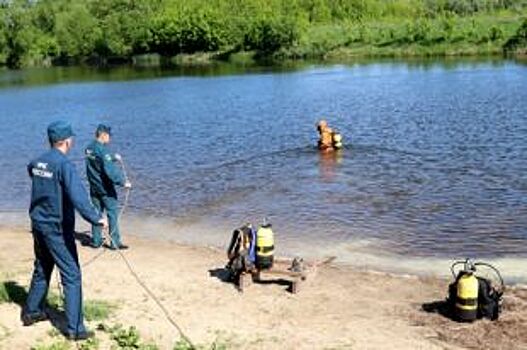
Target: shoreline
{"points": [[370, 255], [340, 307], [340, 55], [359, 254]]}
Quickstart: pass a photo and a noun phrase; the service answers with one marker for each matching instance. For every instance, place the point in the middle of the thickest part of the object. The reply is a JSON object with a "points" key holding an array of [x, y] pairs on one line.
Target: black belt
{"points": [[265, 249], [467, 302]]}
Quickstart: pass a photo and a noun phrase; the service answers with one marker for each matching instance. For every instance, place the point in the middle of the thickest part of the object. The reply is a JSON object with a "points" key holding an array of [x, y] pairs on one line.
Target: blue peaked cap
{"points": [[103, 128], [59, 130]]}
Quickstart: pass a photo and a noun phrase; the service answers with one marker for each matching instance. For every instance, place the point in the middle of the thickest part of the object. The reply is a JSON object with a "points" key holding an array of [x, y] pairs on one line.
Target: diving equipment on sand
{"points": [[474, 295], [241, 250], [251, 259], [264, 246]]}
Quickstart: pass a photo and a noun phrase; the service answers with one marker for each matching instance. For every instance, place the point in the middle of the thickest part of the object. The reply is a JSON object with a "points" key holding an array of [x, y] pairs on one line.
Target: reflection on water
{"points": [[435, 163], [45, 76], [328, 163]]}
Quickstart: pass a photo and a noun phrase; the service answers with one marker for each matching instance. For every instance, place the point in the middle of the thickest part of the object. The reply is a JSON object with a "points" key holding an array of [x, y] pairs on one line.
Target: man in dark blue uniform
{"points": [[103, 176], [56, 192]]}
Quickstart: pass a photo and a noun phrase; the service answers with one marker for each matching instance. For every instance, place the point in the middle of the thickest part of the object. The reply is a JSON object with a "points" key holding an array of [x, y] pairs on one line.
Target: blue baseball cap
{"points": [[59, 130], [103, 128]]}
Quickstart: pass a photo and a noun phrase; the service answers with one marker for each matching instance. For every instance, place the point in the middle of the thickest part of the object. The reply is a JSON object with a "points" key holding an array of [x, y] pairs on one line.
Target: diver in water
{"points": [[329, 140]]}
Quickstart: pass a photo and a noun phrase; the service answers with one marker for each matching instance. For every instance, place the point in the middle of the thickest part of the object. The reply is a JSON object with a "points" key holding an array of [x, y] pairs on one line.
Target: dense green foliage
{"points": [[518, 42], [44, 31]]}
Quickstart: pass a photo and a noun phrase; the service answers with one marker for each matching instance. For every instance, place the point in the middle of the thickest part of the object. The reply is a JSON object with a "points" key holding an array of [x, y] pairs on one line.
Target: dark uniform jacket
{"points": [[102, 173], [56, 192]]}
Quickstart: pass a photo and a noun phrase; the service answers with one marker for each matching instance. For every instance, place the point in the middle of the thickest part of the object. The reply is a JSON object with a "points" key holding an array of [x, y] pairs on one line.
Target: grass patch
{"points": [[53, 333], [94, 310], [126, 338], [129, 339], [222, 342], [183, 345], [90, 344], [98, 310], [58, 345]]}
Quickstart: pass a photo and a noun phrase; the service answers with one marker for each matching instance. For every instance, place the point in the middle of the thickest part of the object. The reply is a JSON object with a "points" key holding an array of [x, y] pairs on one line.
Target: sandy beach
{"points": [[338, 307]]}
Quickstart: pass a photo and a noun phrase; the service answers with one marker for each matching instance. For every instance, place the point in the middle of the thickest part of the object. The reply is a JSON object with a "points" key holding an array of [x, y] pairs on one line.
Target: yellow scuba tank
{"points": [[264, 246], [466, 303], [337, 140], [471, 296]]}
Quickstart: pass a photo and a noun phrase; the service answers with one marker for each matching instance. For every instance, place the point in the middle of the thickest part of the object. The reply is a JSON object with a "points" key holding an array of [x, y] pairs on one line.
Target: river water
{"points": [[434, 166]]}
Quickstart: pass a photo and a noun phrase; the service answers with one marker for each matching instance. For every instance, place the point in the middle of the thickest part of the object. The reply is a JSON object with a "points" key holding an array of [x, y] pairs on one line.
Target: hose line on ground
{"points": [[132, 271]]}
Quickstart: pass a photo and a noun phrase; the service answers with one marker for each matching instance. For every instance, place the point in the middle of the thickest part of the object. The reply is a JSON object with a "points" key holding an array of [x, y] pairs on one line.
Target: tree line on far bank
{"points": [[36, 32]]}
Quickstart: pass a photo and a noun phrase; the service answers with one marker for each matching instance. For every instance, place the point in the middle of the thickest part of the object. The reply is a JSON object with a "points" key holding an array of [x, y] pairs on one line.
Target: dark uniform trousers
{"points": [[57, 248], [111, 206]]}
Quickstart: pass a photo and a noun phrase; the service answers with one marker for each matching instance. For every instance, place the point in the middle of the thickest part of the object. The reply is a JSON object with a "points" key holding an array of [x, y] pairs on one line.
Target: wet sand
{"points": [[337, 308]]}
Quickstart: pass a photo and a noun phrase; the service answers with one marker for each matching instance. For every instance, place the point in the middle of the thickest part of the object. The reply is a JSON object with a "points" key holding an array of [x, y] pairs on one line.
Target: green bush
{"points": [[268, 35], [518, 40], [76, 31], [34, 31], [187, 31]]}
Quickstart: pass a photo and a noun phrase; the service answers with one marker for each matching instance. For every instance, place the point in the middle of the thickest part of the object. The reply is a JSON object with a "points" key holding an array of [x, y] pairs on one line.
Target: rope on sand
{"points": [[134, 273]]}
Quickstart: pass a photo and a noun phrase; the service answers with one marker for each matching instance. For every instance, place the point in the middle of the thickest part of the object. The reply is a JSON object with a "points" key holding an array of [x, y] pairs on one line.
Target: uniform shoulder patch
{"points": [[90, 154], [41, 170]]}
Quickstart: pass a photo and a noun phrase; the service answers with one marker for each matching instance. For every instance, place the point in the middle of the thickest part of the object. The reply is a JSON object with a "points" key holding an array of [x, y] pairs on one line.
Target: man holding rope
{"points": [[56, 192], [103, 175]]}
